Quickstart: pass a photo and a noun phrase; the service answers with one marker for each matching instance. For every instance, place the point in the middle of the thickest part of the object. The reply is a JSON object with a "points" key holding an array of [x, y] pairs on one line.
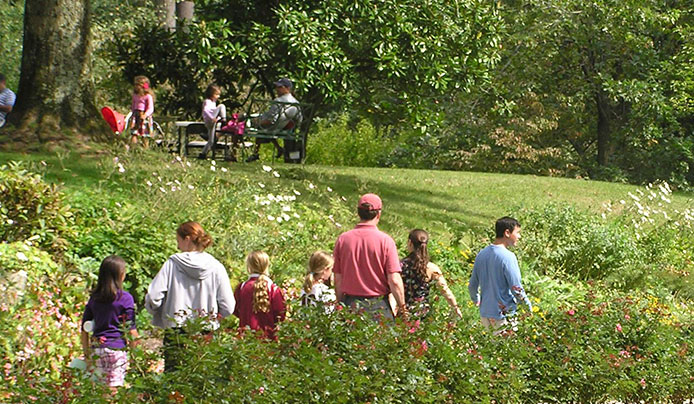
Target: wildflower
{"points": [[618, 327], [571, 312], [261, 185], [267, 169], [188, 163], [118, 204], [213, 168], [311, 186], [21, 256], [286, 208], [162, 190], [178, 158], [190, 186], [330, 189], [10, 221], [297, 192], [121, 169], [224, 169], [276, 174], [627, 317], [643, 383], [149, 183], [214, 163], [270, 218]]}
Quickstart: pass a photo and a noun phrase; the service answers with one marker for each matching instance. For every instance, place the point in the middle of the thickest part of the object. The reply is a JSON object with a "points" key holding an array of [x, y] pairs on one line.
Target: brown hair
{"points": [[196, 233], [419, 255], [110, 282], [212, 89], [258, 262], [319, 262]]}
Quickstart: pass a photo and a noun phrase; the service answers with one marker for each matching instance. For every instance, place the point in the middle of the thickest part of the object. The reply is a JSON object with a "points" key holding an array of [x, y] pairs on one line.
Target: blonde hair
{"points": [[258, 262], [319, 262], [196, 233], [139, 86]]}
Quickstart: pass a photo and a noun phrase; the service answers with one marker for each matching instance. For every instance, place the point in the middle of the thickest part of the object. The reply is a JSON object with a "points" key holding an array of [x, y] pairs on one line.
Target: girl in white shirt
{"points": [[320, 269]]}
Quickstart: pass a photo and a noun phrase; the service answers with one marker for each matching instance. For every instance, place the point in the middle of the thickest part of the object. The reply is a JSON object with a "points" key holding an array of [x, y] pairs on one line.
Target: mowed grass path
{"points": [[443, 202]]}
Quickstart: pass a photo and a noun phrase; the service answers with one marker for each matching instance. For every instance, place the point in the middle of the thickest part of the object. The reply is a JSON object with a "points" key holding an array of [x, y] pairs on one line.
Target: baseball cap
{"points": [[371, 199], [285, 82]]}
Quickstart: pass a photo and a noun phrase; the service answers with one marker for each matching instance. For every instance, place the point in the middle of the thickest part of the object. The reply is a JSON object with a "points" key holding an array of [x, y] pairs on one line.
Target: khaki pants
{"points": [[498, 326]]}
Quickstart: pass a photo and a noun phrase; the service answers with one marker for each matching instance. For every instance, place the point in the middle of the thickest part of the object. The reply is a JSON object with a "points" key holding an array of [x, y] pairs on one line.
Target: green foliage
{"points": [[32, 210], [405, 50], [12, 17], [338, 143]]}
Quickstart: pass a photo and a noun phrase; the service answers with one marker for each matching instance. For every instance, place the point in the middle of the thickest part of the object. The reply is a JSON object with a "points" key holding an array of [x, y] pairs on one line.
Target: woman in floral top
{"points": [[418, 274]]}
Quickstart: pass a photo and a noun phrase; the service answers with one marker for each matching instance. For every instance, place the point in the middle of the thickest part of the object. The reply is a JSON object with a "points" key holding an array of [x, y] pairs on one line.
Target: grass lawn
{"points": [[443, 202]]}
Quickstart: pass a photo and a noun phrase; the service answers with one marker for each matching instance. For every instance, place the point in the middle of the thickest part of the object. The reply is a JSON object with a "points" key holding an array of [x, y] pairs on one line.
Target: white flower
{"points": [[296, 215], [154, 174], [21, 256], [279, 219], [267, 169], [297, 192], [338, 225], [603, 216], [224, 169], [178, 158], [177, 182], [330, 189], [285, 217], [173, 188], [115, 160], [149, 183], [300, 224], [270, 218], [261, 185], [634, 197], [622, 202], [190, 186], [10, 221], [276, 174], [118, 204], [214, 163], [311, 186], [286, 208], [188, 163], [121, 169], [213, 168], [664, 198], [162, 189]]}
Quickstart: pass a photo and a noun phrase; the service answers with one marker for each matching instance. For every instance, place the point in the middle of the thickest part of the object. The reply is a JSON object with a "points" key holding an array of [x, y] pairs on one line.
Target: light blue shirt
{"points": [[497, 278]]}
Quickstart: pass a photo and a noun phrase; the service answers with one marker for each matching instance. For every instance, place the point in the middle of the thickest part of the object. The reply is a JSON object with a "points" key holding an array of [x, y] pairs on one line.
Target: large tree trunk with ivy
{"points": [[56, 94]]}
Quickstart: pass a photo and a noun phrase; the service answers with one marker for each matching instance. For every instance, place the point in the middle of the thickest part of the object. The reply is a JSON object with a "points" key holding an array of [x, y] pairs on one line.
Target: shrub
{"points": [[33, 210]]}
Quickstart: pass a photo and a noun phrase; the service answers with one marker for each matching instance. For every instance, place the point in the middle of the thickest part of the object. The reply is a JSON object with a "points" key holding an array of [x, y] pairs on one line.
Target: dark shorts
{"points": [[378, 306]]}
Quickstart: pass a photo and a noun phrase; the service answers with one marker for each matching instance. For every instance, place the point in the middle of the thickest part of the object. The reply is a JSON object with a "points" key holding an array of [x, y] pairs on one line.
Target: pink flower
{"points": [[643, 383], [618, 327], [627, 317], [571, 312]]}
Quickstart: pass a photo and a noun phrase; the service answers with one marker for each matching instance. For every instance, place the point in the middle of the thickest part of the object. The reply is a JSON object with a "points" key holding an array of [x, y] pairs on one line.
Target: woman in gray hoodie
{"points": [[190, 284]]}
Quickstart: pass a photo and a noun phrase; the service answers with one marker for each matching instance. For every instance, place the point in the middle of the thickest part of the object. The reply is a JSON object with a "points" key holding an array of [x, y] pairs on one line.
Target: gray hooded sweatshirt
{"points": [[189, 284]]}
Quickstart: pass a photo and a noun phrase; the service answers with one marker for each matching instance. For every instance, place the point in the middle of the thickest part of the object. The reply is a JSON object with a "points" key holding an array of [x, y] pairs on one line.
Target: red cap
{"points": [[371, 199]]}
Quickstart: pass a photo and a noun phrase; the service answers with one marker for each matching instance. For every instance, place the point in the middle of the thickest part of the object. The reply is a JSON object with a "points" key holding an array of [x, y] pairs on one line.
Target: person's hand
{"points": [[403, 313], [458, 313]]}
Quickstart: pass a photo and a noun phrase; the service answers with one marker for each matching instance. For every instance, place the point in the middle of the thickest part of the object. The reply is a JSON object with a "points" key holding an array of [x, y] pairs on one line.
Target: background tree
{"points": [[56, 91]]}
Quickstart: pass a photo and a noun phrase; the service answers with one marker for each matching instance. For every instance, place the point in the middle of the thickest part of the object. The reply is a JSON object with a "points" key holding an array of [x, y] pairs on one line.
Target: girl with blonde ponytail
{"points": [[418, 273], [259, 302], [320, 269]]}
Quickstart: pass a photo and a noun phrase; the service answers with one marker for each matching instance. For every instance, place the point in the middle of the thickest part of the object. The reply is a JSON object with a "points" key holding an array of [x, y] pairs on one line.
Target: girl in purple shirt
{"points": [[142, 108], [109, 312]]}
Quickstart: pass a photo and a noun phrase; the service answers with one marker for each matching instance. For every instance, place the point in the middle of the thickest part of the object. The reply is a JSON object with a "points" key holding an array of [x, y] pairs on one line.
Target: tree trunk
{"points": [[56, 92], [166, 10], [603, 129], [185, 11]]}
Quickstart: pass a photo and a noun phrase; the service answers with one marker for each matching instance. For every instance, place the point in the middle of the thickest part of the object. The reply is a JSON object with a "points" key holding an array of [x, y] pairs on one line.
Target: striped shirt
{"points": [[7, 98]]}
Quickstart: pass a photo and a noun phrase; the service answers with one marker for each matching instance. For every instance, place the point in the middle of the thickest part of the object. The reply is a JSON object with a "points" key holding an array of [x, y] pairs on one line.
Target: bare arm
{"points": [[338, 287], [398, 290], [445, 290], [6, 108]]}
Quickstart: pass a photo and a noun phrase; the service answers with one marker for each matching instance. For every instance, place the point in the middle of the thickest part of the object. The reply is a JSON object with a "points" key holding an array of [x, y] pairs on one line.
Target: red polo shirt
{"points": [[364, 256]]}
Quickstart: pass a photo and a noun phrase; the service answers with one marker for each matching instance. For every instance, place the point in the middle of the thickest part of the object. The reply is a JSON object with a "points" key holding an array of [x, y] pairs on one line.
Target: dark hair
{"points": [[2, 77], [196, 233], [365, 212], [212, 89], [505, 223], [419, 255], [110, 282]]}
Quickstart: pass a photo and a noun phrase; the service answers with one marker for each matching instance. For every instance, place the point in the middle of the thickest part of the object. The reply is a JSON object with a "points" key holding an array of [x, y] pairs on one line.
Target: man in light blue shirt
{"points": [[7, 98], [495, 285]]}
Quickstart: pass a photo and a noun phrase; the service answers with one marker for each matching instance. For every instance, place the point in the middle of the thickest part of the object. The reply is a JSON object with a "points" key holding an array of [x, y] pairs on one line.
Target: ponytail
{"points": [[419, 255], [196, 233], [308, 282], [261, 295], [258, 262], [319, 262]]}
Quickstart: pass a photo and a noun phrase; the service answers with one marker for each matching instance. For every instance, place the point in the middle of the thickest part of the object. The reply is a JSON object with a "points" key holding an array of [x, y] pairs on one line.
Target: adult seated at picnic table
{"points": [[7, 99], [280, 116]]}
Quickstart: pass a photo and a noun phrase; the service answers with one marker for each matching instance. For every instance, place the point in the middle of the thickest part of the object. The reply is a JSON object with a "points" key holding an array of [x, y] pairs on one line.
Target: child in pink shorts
{"points": [[109, 311]]}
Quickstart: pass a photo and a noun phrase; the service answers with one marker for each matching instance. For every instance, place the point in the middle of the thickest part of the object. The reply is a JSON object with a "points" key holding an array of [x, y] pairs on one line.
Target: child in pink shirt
{"points": [[142, 108], [259, 302]]}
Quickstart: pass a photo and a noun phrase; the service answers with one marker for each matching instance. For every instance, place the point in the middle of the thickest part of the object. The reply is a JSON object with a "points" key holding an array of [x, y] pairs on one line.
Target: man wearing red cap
{"points": [[367, 267]]}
